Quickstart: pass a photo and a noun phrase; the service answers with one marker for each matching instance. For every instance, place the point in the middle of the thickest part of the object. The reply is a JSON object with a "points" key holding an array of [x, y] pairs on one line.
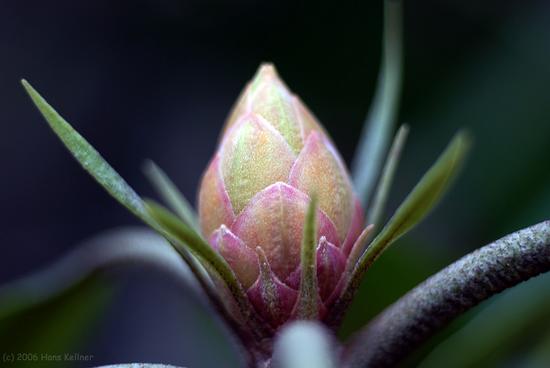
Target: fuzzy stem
{"points": [[423, 311]]}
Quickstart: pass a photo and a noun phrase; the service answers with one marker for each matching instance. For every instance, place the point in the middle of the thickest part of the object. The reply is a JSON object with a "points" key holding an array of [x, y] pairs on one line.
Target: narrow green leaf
{"points": [[184, 238], [307, 306], [105, 175], [170, 193], [88, 157], [184, 235], [179, 234], [425, 195], [376, 208], [416, 206], [359, 248], [376, 135]]}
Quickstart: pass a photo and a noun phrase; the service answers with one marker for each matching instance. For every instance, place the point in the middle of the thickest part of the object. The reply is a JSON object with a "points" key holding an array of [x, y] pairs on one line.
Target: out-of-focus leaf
{"points": [[47, 314], [170, 193], [539, 355], [88, 157], [308, 299], [382, 115], [425, 195], [115, 247], [39, 335], [304, 344], [376, 208], [499, 330]]}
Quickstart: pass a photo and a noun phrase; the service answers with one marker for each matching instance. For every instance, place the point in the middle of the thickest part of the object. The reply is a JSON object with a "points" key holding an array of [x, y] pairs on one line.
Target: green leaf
{"points": [[358, 248], [170, 193], [181, 235], [307, 306], [105, 175], [54, 309], [539, 356], [376, 208], [92, 161], [382, 116], [416, 206], [425, 195], [33, 334], [88, 157], [184, 236], [304, 344]]}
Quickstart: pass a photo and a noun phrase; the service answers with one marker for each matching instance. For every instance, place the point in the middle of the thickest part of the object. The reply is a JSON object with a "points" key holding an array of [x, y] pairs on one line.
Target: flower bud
{"points": [[254, 195]]}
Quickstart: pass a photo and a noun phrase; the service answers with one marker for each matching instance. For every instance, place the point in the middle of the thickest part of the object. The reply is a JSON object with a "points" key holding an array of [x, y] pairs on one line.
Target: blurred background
{"points": [[156, 79]]}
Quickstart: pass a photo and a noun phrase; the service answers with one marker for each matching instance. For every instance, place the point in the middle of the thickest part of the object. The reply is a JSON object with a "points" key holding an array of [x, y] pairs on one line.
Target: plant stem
{"points": [[423, 311]]}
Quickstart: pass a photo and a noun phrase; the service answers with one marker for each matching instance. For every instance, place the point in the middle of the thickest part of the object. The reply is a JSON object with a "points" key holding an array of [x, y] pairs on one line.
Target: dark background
{"points": [[155, 79]]}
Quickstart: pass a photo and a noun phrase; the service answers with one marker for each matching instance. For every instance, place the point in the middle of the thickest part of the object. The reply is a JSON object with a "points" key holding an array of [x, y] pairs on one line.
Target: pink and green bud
{"points": [[273, 156]]}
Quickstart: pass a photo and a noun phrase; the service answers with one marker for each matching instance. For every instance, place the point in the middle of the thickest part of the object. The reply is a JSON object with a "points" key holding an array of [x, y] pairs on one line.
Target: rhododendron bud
{"points": [[273, 156]]}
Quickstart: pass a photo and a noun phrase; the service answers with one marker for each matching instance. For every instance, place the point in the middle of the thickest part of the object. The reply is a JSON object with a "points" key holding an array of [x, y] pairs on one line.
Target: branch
{"points": [[138, 365], [419, 314]]}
